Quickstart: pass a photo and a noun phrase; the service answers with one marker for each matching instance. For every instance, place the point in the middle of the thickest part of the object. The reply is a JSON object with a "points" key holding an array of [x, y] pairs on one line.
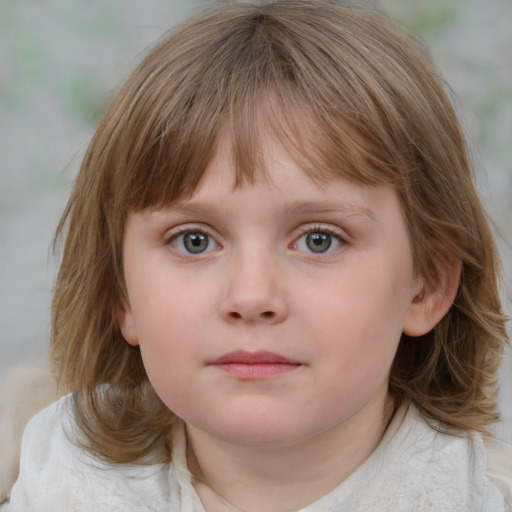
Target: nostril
{"points": [[266, 314]]}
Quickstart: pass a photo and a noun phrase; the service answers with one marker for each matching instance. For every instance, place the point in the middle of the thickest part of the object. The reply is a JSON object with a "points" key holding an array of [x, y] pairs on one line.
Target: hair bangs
{"points": [[265, 86]]}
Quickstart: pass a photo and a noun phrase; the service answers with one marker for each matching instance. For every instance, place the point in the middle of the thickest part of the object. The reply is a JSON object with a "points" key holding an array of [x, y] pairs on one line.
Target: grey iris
{"points": [[318, 242], [195, 242]]}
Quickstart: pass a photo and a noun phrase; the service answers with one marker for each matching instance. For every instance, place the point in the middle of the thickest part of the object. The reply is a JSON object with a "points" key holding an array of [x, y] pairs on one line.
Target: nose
{"points": [[255, 291]]}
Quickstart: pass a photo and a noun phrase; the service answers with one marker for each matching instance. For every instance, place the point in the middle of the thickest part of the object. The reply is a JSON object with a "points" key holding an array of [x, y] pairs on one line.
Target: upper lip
{"points": [[247, 357]]}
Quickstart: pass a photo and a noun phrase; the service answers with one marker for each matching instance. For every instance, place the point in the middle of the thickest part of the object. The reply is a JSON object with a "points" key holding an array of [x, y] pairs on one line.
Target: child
{"points": [[278, 285]]}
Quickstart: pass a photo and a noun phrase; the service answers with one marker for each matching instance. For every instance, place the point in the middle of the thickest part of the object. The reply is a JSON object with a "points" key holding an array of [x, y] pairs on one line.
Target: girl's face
{"points": [[270, 314]]}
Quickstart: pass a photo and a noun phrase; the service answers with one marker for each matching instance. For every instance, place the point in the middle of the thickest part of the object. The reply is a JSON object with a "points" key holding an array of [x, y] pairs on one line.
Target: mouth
{"points": [[246, 365]]}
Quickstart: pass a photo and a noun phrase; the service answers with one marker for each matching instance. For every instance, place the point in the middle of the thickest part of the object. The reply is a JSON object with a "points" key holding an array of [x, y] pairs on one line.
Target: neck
{"points": [[252, 479]]}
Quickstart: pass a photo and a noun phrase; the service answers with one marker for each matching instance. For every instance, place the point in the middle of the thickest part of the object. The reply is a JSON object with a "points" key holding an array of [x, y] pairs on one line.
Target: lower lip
{"points": [[253, 371]]}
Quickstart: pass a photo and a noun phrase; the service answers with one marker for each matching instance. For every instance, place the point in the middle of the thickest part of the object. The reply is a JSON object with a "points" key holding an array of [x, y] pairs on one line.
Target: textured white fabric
{"points": [[414, 469]]}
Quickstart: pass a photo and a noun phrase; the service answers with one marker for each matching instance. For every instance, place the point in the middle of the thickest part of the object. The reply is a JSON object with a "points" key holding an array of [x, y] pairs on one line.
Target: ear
{"points": [[433, 299], [126, 323]]}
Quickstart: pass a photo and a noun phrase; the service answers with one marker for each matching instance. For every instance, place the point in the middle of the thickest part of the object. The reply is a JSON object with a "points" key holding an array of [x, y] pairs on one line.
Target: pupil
{"points": [[318, 242], [196, 242]]}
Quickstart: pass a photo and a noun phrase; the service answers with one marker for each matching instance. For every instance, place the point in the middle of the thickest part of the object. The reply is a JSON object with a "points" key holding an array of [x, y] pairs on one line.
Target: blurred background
{"points": [[61, 62]]}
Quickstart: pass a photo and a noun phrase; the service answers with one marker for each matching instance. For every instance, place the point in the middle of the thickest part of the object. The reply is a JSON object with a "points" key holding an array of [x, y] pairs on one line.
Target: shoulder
{"points": [[453, 472], [482, 468], [57, 473], [499, 467], [44, 433], [46, 459], [25, 390]]}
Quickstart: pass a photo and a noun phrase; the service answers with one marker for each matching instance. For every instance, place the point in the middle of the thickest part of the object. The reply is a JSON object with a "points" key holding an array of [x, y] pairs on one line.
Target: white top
{"points": [[414, 468]]}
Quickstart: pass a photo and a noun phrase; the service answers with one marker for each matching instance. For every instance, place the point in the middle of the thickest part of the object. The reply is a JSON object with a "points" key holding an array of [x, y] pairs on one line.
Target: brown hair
{"points": [[349, 95]]}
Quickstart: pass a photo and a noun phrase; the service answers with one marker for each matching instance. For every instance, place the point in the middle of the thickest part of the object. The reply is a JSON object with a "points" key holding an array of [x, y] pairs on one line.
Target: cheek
{"points": [[170, 339], [166, 332], [356, 365], [358, 325], [170, 357], [369, 303], [168, 306]]}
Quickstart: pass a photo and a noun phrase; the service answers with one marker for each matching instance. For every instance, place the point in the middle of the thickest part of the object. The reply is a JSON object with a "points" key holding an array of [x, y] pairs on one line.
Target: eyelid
{"points": [[324, 228], [330, 229], [174, 233]]}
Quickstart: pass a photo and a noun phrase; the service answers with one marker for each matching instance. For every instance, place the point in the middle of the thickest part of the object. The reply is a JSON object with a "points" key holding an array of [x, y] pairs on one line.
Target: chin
{"points": [[262, 432]]}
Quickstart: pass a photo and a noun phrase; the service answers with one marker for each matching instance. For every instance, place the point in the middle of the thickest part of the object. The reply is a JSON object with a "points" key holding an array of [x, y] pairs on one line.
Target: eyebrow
{"points": [[293, 208], [314, 207], [186, 208]]}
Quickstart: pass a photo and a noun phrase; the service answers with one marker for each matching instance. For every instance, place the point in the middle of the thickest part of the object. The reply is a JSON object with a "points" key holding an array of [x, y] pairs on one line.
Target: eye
{"points": [[193, 242], [318, 242]]}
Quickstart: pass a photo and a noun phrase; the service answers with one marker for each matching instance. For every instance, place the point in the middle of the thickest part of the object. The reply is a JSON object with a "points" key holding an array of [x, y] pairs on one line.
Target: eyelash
{"points": [[304, 231], [334, 233], [191, 230]]}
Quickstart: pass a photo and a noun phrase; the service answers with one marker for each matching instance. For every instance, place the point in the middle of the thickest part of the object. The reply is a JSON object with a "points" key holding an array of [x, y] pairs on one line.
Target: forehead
{"points": [[294, 146], [272, 160], [281, 185], [323, 146]]}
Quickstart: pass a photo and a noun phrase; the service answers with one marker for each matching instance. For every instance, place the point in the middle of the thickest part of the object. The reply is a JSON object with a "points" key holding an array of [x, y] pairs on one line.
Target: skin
{"points": [[337, 314]]}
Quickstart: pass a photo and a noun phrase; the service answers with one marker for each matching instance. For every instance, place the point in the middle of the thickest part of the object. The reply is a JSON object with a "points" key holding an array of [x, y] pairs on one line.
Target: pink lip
{"points": [[254, 365]]}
